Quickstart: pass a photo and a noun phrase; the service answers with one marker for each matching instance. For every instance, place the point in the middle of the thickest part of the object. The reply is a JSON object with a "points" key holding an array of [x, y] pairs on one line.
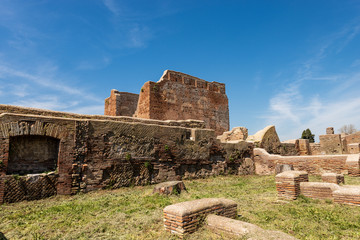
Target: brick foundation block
{"points": [[288, 184], [186, 217], [347, 195], [333, 178], [318, 190]]}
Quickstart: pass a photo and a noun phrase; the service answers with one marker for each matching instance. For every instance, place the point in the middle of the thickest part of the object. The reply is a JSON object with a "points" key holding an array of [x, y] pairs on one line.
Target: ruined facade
{"points": [[177, 96], [69, 153], [121, 104]]}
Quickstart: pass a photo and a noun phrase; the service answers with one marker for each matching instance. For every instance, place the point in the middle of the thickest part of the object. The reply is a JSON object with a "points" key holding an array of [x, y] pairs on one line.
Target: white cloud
{"points": [[44, 81], [112, 6], [292, 110], [138, 36]]}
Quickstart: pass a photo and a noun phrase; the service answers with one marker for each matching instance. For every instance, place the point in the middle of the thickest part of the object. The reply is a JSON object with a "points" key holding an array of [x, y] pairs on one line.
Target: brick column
{"points": [[288, 183]]}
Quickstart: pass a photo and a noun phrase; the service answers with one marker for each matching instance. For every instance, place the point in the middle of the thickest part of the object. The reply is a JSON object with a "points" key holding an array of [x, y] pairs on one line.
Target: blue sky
{"points": [[294, 64]]}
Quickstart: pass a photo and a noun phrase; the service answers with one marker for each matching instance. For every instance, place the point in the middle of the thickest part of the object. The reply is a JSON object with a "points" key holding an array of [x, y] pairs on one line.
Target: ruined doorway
{"points": [[29, 154]]}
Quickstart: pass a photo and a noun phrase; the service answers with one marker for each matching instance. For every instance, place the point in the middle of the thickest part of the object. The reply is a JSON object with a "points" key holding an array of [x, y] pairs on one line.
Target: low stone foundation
{"points": [[243, 229], [186, 217], [288, 183], [265, 163], [318, 190], [333, 178], [347, 195]]}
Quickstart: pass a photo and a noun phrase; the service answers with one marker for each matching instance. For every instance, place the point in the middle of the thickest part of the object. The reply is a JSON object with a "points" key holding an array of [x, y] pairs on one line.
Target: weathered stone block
{"points": [[243, 229], [353, 148], [172, 187], [330, 130], [283, 167]]}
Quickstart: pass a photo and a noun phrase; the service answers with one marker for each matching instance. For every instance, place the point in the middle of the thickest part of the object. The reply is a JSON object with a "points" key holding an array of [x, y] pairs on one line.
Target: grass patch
{"points": [[136, 213]]}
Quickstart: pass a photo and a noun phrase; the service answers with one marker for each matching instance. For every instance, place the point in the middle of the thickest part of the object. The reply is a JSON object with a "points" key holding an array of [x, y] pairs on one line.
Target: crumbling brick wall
{"points": [[178, 96], [331, 144], [121, 104], [95, 154], [265, 163]]}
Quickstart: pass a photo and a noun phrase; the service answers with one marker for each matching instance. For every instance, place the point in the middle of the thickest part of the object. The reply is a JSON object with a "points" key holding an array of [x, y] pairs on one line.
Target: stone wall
{"points": [[121, 104], [178, 96], [353, 138], [331, 144], [265, 163], [268, 139], [94, 154], [49, 113], [315, 148]]}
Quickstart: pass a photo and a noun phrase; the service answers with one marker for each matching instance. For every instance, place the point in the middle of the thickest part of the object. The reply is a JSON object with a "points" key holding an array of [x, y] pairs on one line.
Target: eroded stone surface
{"points": [[243, 229], [237, 133], [171, 187], [283, 167]]}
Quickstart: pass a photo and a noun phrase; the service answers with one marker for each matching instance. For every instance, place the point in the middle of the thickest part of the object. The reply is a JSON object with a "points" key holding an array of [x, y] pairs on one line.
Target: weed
{"points": [[128, 157], [16, 177], [148, 165], [166, 147], [142, 90]]}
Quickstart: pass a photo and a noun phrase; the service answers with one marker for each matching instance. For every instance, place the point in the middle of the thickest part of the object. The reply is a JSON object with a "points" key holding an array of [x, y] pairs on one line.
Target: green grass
{"points": [[135, 213]]}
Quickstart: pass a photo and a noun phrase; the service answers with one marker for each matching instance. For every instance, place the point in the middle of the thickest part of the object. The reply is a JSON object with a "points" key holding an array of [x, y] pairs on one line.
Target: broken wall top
{"points": [[178, 96]]}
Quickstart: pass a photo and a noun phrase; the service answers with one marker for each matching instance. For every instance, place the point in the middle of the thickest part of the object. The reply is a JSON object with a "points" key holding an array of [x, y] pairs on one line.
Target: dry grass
{"points": [[135, 213]]}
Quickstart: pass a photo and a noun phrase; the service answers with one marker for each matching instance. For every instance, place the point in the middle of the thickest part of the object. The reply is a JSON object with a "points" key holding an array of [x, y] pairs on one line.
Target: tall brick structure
{"points": [[176, 96], [121, 104]]}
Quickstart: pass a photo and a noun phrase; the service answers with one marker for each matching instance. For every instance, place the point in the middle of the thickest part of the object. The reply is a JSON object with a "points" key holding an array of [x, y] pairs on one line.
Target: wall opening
{"points": [[32, 154]]}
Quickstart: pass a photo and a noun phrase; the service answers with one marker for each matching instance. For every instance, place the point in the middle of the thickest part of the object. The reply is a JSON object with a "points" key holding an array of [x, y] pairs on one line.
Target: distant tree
{"points": [[306, 134], [348, 129]]}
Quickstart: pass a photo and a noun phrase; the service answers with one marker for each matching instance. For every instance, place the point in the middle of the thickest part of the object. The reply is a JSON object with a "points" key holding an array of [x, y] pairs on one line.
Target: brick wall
{"points": [[95, 154], [288, 183], [121, 104], [342, 164], [318, 190], [178, 96]]}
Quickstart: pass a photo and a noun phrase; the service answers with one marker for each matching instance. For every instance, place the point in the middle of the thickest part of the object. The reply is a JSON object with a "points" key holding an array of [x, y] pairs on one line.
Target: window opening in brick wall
{"points": [[32, 154]]}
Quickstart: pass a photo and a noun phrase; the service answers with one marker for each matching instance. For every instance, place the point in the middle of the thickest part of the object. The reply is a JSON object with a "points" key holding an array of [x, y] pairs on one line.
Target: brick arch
{"points": [[39, 128], [21, 128]]}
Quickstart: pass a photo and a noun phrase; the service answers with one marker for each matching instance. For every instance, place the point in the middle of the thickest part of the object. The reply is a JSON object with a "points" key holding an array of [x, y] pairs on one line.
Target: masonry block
{"points": [[333, 178], [318, 190], [288, 183], [186, 217], [347, 195]]}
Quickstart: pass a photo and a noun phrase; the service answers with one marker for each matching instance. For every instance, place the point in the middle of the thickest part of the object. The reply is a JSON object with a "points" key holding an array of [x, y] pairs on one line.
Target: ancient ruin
{"points": [[43, 153], [176, 96], [176, 128], [291, 184]]}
